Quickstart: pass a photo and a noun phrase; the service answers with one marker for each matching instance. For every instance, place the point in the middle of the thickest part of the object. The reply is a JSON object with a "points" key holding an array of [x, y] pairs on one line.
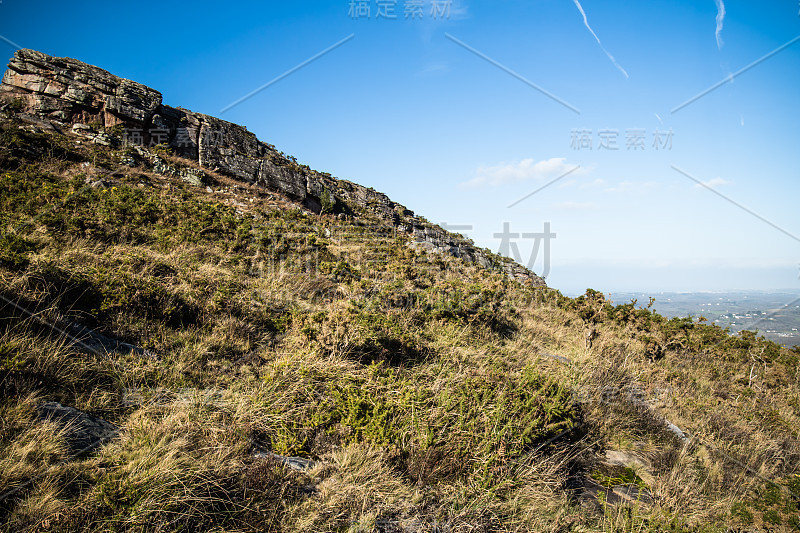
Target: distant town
{"points": [[773, 314]]}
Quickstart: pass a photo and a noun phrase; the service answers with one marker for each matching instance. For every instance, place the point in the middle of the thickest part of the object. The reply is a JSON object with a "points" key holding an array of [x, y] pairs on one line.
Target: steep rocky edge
{"points": [[60, 92]]}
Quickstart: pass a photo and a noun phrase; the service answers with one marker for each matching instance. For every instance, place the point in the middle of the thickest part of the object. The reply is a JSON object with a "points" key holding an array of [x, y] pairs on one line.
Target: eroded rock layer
{"points": [[64, 92]]}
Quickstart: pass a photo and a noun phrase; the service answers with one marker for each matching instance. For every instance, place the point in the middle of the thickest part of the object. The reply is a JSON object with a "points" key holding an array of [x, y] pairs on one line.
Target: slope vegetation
{"points": [[273, 368]]}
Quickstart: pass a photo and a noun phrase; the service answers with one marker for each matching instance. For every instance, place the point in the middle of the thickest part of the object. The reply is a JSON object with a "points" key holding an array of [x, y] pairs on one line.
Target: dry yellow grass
{"points": [[433, 395]]}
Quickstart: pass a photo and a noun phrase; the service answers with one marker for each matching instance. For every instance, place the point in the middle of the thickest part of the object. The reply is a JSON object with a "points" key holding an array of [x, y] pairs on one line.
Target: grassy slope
{"points": [[421, 385]]}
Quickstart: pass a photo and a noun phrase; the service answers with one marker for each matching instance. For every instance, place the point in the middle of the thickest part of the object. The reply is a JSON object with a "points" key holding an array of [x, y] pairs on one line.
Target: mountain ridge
{"points": [[65, 92]]}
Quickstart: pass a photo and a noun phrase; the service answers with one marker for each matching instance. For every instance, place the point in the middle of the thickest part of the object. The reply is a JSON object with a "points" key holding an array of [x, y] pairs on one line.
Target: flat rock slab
{"points": [[84, 432], [632, 494], [90, 341], [613, 496], [295, 463], [627, 459], [556, 357]]}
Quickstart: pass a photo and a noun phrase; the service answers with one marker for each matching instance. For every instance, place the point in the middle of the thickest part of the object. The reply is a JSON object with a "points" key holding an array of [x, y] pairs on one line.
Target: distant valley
{"points": [[774, 314]]}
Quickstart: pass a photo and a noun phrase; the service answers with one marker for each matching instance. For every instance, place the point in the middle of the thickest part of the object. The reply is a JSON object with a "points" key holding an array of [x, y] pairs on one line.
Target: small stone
{"points": [[675, 430], [195, 177], [97, 184], [81, 129], [295, 463], [103, 139]]}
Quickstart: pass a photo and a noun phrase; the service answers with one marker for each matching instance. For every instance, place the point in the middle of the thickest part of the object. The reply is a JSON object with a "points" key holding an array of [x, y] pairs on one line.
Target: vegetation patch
{"points": [[430, 393]]}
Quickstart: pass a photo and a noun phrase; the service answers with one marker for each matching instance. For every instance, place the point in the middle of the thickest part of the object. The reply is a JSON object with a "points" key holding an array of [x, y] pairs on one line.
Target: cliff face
{"points": [[64, 91]]}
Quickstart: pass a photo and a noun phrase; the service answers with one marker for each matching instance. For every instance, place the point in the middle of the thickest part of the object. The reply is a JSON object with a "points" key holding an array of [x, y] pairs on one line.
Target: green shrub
{"points": [[740, 511], [14, 251], [328, 201]]}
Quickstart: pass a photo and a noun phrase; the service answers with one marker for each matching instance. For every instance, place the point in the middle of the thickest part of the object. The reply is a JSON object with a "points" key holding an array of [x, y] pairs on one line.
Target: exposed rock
{"points": [[560, 358], [71, 91], [623, 458], [594, 494], [128, 160], [83, 431], [97, 184], [81, 129], [36, 124], [295, 463], [89, 340], [63, 91], [675, 430], [192, 176], [614, 466], [627, 459], [101, 138], [159, 165]]}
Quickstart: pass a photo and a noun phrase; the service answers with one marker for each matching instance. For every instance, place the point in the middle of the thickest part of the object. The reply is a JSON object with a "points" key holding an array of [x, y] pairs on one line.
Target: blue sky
{"points": [[411, 112]]}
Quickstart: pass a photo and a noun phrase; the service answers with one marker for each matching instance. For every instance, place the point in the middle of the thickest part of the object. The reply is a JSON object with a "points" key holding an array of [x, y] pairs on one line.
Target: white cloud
{"points": [[720, 21], [716, 182], [525, 170], [598, 182], [586, 23]]}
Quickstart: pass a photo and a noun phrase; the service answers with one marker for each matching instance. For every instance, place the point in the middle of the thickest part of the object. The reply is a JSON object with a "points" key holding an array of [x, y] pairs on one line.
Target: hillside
{"points": [[207, 335]]}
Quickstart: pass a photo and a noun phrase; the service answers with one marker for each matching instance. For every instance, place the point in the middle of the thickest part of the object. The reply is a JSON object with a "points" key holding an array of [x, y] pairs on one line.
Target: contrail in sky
{"points": [[720, 20], [586, 22]]}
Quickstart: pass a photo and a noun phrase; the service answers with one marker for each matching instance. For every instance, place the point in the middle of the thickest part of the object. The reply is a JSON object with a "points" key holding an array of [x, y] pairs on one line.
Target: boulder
{"points": [[67, 90], [84, 432]]}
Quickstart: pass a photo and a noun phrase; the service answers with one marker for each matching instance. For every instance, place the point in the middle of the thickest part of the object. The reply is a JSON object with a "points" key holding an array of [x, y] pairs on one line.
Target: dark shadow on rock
{"points": [[84, 432], [89, 340]]}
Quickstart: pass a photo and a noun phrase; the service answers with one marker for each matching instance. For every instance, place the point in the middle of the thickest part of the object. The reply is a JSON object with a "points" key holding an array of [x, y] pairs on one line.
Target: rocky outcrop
{"points": [[71, 91], [64, 92]]}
